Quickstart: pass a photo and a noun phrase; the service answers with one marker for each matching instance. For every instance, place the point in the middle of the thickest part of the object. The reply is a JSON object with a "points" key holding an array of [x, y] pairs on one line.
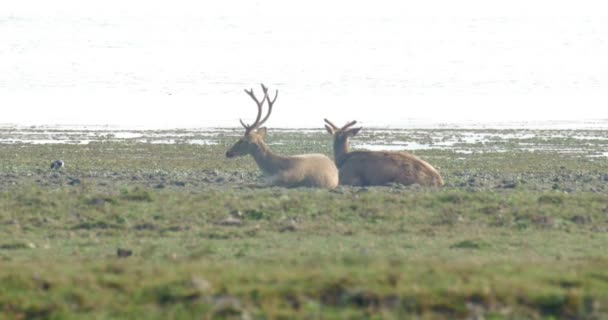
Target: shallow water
{"points": [[591, 143]]}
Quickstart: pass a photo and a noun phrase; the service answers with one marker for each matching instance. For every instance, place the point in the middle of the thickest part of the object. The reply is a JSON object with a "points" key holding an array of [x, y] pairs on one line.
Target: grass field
{"points": [[168, 229]]}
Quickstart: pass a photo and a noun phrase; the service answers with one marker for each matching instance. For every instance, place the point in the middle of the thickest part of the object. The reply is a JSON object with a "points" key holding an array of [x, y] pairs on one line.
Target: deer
{"points": [[376, 168], [306, 170]]}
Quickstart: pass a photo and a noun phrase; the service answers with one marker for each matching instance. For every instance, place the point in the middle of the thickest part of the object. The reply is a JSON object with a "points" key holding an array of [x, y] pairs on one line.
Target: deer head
{"points": [[341, 135], [254, 133]]}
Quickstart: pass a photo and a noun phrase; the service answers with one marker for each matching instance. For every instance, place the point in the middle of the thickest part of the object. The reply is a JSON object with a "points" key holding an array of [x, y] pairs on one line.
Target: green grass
{"points": [[499, 241]]}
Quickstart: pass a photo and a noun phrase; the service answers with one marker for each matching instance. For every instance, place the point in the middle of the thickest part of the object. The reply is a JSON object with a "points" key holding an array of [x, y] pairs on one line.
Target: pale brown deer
{"points": [[307, 170], [372, 168]]}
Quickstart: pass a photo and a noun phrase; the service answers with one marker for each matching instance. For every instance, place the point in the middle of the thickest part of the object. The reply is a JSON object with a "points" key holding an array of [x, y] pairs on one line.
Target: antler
{"points": [[333, 126], [349, 124], [257, 123], [270, 103], [346, 126], [259, 104]]}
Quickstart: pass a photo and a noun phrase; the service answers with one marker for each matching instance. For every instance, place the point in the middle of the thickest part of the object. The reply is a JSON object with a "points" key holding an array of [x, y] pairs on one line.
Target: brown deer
{"points": [[372, 168], [307, 170]]}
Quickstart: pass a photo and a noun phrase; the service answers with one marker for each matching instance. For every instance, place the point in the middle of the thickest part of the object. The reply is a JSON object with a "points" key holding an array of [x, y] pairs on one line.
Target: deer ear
{"points": [[354, 131], [261, 131], [329, 129]]}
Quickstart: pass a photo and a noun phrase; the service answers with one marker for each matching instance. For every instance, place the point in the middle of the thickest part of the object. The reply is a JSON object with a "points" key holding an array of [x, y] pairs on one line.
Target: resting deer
{"points": [[369, 168], [307, 170]]}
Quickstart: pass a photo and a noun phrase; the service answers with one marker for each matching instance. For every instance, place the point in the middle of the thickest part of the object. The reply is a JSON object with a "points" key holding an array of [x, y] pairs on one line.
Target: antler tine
{"points": [[256, 123], [349, 124], [270, 103], [333, 126]]}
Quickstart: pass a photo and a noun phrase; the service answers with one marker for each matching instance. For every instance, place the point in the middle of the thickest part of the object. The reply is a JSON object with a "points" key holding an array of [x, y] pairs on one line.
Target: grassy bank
{"points": [[137, 230]]}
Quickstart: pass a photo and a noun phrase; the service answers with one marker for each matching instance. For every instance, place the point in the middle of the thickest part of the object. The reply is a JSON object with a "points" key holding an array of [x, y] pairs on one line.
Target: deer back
{"points": [[364, 168]]}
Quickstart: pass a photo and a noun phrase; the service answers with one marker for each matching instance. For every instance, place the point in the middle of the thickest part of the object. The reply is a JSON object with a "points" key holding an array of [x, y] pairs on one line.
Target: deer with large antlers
{"points": [[307, 170], [370, 168]]}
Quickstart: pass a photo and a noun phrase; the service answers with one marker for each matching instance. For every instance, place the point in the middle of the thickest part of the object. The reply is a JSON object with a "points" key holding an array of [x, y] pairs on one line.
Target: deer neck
{"points": [[267, 161], [340, 150]]}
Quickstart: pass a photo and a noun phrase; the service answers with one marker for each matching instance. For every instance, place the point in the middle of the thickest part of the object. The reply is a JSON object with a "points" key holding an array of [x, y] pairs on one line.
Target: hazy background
{"points": [[385, 63]]}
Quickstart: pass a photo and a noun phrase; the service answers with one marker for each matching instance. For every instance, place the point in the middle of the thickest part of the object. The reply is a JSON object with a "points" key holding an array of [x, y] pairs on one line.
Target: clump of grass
{"points": [[99, 224], [99, 200], [552, 199], [254, 214], [470, 244], [136, 194], [14, 246]]}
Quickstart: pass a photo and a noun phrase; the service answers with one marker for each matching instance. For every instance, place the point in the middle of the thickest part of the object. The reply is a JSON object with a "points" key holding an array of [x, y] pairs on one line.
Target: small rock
{"points": [[123, 253], [230, 222], [225, 306], [290, 226], [42, 283], [57, 164], [177, 228], [508, 184], [544, 221], [145, 226], [578, 219], [391, 302], [599, 229], [200, 284], [236, 213]]}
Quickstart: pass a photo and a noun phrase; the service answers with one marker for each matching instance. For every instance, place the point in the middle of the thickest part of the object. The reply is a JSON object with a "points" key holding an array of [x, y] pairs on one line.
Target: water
{"points": [[590, 143], [394, 64]]}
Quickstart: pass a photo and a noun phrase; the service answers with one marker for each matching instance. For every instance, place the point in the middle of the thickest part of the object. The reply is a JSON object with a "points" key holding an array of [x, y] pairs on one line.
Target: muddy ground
{"points": [[566, 160]]}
